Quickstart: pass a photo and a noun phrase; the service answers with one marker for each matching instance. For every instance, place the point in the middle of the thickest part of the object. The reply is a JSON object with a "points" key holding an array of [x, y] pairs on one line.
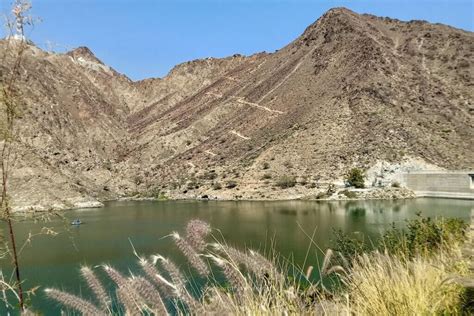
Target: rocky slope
{"points": [[352, 90]]}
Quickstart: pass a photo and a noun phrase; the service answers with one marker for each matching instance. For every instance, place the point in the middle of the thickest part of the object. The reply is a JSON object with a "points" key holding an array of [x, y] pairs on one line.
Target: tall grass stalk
{"points": [[385, 284], [371, 283]]}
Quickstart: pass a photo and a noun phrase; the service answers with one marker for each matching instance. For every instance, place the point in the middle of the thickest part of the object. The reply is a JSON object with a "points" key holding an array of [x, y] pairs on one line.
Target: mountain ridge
{"points": [[352, 90]]}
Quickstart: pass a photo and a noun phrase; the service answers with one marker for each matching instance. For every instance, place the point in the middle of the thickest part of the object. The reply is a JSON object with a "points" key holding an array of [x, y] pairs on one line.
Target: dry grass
{"points": [[372, 284], [384, 284]]}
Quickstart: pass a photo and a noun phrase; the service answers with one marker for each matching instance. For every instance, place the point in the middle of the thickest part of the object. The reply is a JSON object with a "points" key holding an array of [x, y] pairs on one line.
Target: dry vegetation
{"points": [[369, 283], [351, 90]]}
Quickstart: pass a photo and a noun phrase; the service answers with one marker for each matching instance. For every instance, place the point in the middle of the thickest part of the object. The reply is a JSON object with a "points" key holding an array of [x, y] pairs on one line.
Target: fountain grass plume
{"points": [[370, 283], [116, 276], [165, 287], [233, 275], [150, 294], [264, 267], [179, 283], [96, 287], [177, 278], [128, 297], [258, 267], [131, 306], [196, 231], [74, 302], [233, 254], [266, 264], [193, 257]]}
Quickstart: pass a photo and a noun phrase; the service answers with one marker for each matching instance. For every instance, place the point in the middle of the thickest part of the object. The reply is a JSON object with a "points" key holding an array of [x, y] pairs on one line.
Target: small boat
{"points": [[76, 222]]}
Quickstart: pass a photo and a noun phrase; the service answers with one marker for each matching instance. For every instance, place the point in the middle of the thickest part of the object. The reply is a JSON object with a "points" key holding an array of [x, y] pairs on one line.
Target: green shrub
{"points": [[349, 245], [395, 184], [355, 177], [162, 197], [266, 176], [265, 165], [285, 182], [422, 236]]}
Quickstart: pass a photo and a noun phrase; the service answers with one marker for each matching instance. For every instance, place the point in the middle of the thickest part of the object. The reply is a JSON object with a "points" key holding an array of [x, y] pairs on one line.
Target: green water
{"points": [[107, 233]]}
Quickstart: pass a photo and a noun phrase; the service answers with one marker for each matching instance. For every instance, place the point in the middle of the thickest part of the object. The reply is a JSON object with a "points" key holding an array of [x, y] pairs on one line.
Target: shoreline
{"points": [[371, 194], [35, 209]]}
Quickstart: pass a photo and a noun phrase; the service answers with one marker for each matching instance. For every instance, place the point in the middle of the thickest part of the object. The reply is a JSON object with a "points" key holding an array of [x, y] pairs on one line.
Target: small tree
{"points": [[356, 178], [10, 104]]}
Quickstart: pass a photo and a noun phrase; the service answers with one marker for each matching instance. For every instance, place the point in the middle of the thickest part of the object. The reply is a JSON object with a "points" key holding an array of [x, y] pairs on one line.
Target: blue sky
{"points": [[146, 38]]}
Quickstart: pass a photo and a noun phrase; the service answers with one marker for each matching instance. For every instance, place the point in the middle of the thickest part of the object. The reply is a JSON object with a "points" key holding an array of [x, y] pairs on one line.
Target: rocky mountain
{"points": [[352, 90]]}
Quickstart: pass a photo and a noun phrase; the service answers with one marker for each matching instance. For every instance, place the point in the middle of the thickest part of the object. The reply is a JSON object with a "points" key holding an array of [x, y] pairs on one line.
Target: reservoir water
{"points": [[107, 234]]}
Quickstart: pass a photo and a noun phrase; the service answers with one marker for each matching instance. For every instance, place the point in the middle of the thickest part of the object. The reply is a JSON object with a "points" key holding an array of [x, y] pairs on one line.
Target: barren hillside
{"points": [[350, 91]]}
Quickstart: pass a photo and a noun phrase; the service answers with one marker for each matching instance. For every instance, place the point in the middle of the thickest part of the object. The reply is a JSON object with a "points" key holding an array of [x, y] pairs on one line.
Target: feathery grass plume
{"points": [[327, 260], [308, 272], [265, 267], [177, 278], [116, 276], [179, 283], [149, 293], [130, 304], [128, 297], [238, 257], [196, 231], [326, 269], [164, 286], [233, 254], [233, 275], [74, 302], [217, 301], [193, 257], [96, 287]]}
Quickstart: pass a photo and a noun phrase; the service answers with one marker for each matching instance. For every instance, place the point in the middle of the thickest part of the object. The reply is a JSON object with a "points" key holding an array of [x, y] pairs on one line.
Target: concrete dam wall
{"points": [[447, 184]]}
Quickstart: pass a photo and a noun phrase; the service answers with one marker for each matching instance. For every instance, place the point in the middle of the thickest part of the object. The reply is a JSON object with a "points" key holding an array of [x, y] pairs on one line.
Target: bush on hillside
{"points": [[355, 178], [285, 182]]}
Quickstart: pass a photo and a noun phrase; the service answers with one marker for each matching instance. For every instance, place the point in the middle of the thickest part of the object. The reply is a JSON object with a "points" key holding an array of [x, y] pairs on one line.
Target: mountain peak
{"points": [[85, 53], [332, 20], [339, 11]]}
